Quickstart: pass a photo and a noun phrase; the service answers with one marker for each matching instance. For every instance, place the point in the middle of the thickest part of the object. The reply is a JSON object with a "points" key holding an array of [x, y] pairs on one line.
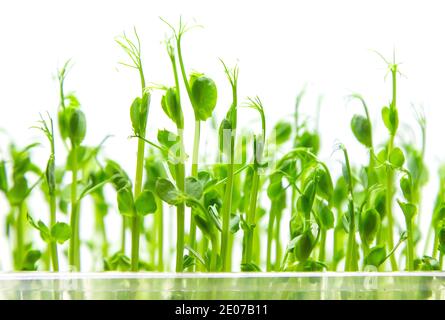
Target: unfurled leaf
{"points": [[168, 192], [125, 202], [145, 203], [376, 256], [61, 232], [396, 157]]}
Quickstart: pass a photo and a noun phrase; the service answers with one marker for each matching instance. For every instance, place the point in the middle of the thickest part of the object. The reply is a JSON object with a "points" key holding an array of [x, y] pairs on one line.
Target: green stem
{"points": [[73, 248], [20, 234], [270, 236], [136, 220], [180, 218], [440, 261], [160, 233], [250, 219], [389, 196], [195, 160], [435, 246], [123, 234], [53, 244], [350, 264], [226, 209], [214, 255], [278, 250], [322, 253], [410, 245]]}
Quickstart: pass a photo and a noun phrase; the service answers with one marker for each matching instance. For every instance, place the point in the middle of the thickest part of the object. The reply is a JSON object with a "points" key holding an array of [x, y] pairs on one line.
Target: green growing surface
{"points": [[259, 213]]}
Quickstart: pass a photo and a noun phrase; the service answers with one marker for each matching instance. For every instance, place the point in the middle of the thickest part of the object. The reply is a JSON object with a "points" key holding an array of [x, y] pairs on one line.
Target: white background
{"points": [[279, 46]]}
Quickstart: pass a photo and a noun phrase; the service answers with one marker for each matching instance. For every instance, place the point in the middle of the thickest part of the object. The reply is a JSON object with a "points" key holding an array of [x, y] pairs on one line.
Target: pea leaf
{"points": [[325, 187], [282, 132], [390, 119], [61, 232], [362, 130], [168, 192], [145, 203], [41, 227], [30, 260], [406, 186], [409, 209], [325, 216], [250, 267], [125, 202], [19, 190], [234, 223], [204, 95], [77, 126], [396, 157], [369, 225], [304, 245], [193, 188], [3, 177], [172, 107], [376, 256]]}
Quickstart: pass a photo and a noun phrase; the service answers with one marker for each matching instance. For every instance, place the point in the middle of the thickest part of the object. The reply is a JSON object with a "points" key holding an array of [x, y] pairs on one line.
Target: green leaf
{"points": [[282, 132], [119, 177], [234, 223], [376, 256], [145, 203], [441, 237], [304, 245], [326, 216], [409, 209], [135, 115], [438, 216], [117, 262], [396, 157], [125, 202], [250, 267], [77, 126], [426, 263], [168, 192], [390, 119], [3, 177], [362, 130], [193, 188], [325, 187], [369, 225], [61, 232], [172, 107], [31, 258], [17, 194], [309, 140], [41, 227], [204, 96], [196, 255], [224, 135], [407, 187]]}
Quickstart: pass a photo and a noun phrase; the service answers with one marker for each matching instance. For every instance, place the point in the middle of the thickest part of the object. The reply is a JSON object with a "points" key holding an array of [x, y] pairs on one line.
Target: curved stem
{"points": [[74, 219]]}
